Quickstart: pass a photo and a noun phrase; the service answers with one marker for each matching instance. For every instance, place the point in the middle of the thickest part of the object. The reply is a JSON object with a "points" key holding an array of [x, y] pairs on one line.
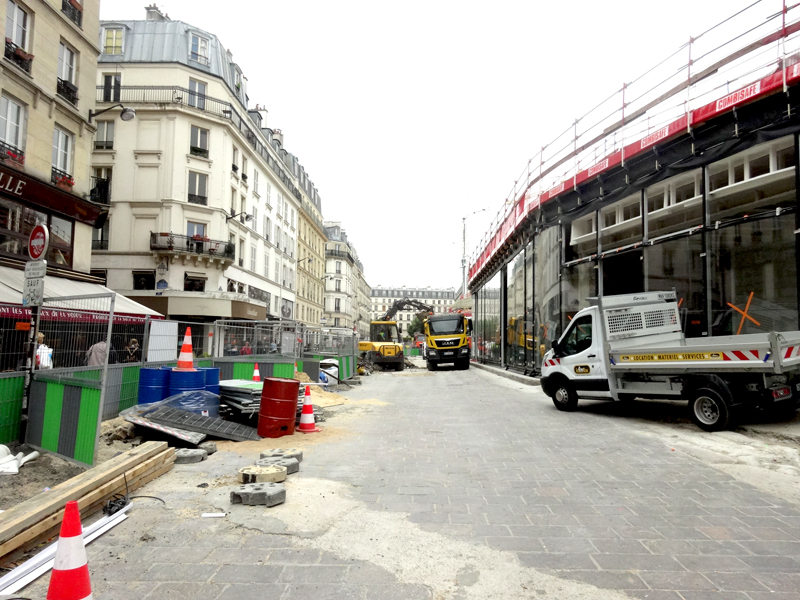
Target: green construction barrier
{"points": [[11, 391]]}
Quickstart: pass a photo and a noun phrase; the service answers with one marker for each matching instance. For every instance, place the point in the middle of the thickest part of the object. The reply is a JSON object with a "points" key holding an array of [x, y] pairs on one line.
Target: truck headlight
{"points": [[465, 350], [432, 353]]}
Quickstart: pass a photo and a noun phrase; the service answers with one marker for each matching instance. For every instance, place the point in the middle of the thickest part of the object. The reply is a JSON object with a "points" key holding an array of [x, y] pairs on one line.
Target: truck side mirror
{"points": [[556, 348], [469, 326]]}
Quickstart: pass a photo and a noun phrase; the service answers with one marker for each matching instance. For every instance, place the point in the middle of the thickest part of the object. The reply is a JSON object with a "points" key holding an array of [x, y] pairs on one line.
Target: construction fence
{"points": [[88, 359]]}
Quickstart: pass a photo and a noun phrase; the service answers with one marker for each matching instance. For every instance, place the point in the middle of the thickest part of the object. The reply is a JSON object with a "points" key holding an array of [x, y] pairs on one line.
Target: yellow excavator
{"points": [[385, 346]]}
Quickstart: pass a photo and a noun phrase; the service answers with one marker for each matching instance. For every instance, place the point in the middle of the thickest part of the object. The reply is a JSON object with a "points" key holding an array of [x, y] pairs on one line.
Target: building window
{"points": [[337, 305], [16, 25], [336, 322], [12, 116], [198, 144], [267, 227], [194, 282], [111, 87], [144, 280], [104, 138], [266, 266], [101, 185], [195, 229], [253, 259], [244, 168], [338, 285], [113, 43], [254, 225], [338, 267], [65, 86], [198, 188], [197, 94], [269, 194], [62, 151], [235, 165], [199, 51], [74, 11], [255, 181]]}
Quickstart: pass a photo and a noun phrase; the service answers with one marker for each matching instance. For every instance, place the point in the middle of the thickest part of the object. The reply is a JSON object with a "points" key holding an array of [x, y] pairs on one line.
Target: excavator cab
{"points": [[383, 331]]}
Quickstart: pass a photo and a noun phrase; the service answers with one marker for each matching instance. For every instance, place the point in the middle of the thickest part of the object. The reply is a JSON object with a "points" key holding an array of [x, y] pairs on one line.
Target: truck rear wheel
{"points": [[564, 397], [709, 409]]}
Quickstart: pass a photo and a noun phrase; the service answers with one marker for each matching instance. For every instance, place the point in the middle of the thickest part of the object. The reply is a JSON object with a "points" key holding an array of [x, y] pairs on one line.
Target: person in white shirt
{"points": [[44, 354]]}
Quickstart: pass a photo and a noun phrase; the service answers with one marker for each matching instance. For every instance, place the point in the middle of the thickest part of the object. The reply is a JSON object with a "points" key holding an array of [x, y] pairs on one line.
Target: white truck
{"points": [[632, 346]]}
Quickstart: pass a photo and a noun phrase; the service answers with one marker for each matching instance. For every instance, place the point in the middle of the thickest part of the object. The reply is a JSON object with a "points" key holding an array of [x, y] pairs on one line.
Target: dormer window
{"points": [[113, 42], [199, 50]]}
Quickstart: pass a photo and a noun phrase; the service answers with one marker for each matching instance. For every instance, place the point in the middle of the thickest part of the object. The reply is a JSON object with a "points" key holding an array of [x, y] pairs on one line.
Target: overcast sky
{"points": [[408, 116]]}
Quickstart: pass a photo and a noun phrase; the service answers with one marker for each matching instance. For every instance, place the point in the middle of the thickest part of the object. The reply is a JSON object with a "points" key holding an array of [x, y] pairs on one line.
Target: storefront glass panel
{"points": [[677, 264], [529, 306], [547, 300], [581, 236], [623, 273], [753, 270], [489, 339], [515, 315], [578, 283]]}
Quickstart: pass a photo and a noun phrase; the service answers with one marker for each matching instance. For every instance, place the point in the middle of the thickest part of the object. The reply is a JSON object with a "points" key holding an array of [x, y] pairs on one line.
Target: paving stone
{"points": [[180, 572], [295, 453], [269, 494], [736, 581], [185, 456], [319, 591], [248, 574], [256, 474], [252, 592], [676, 581], [181, 591], [639, 562], [292, 465], [610, 580], [556, 561]]}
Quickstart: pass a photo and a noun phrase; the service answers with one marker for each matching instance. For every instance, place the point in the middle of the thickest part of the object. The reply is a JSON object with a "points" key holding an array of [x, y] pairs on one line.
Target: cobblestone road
{"points": [[463, 485]]}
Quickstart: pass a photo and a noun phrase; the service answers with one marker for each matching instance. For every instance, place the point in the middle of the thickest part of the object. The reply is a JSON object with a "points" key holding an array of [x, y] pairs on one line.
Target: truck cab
{"points": [[447, 340]]}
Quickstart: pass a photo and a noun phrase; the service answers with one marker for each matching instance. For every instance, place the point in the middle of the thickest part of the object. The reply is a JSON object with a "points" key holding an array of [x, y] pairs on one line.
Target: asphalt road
{"points": [[460, 485]]}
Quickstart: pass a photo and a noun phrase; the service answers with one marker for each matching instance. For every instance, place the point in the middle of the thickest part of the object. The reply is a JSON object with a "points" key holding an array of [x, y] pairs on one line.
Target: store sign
{"points": [[245, 310], [286, 309], [38, 242]]}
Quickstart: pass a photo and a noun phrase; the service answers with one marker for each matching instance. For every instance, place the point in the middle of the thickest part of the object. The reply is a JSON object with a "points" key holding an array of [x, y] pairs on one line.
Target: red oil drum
{"points": [[276, 416]]}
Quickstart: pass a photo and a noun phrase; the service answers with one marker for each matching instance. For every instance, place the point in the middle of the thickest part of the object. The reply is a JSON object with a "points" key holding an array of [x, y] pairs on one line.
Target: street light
{"points": [[247, 217], [464, 251], [127, 114]]}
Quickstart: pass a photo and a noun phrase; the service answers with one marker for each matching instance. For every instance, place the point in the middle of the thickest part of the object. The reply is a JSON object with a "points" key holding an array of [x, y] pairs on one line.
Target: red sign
{"points": [[38, 242]]}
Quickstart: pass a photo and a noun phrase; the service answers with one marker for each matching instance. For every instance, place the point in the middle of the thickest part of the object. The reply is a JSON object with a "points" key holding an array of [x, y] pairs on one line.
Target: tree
{"points": [[415, 326]]}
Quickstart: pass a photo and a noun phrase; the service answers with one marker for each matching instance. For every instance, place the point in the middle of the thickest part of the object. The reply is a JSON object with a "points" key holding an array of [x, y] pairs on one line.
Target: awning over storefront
{"points": [[13, 280]]}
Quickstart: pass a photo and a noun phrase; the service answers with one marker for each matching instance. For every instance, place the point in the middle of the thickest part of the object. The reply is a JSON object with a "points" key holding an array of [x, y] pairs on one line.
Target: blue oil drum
{"points": [[213, 388], [186, 381], [212, 375], [153, 385]]}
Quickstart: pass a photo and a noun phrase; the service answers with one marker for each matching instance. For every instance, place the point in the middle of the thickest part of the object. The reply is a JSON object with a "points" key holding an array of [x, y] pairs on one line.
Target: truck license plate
{"points": [[447, 353]]}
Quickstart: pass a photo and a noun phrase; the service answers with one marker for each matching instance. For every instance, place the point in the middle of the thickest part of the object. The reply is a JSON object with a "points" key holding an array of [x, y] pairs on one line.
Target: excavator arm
{"points": [[402, 305]]}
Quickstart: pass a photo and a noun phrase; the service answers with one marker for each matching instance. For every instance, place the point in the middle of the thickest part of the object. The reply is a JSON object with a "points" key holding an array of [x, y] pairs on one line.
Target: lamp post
{"points": [[127, 114], [464, 251]]}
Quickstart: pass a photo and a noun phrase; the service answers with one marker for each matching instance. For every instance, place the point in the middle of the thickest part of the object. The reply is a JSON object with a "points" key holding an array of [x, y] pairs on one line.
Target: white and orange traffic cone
{"points": [[295, 368], [307, 422], [70, 577], [186, 360], [256, 374]]}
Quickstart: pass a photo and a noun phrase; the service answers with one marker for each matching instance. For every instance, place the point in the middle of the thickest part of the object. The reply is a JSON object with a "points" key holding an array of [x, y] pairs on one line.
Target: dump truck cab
{"points": [[447, 340]]}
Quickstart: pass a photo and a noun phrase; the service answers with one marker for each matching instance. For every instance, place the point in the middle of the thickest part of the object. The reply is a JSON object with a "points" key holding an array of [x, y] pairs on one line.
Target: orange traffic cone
{"points": [[295, 367], [186, 360], [256, 374], [307, 423], [70, 577]]}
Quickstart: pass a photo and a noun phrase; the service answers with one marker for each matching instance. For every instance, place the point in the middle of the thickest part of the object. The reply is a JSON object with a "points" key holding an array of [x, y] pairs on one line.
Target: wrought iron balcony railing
{"points": [[101, 190], [58, 176], [75, 15], [195, 199], [191, 244], [99, 244], [18, 56], [67, 90], [11, 153], [198, 151]]}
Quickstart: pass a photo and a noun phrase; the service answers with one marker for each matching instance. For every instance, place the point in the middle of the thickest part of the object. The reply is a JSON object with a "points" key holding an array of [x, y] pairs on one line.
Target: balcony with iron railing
{"points": [[185, 98], [73, 13], [9, 153], [340, 254], [101, 190], [192, 245], [18, 56], [99, 244], [196, 199], [59, 177], [67, 90]]}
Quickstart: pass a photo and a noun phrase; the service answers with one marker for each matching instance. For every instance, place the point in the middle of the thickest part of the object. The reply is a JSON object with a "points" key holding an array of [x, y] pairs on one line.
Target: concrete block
{"points": [[189, 455], [251, 494], [209, 447], [292, 464], [283, 453], [256, 474]]}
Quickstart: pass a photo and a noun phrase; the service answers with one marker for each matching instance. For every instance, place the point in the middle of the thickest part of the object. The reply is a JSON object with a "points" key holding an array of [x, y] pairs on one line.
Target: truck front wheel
{"points": [[431, 365], [564, 397], [709, 410]]}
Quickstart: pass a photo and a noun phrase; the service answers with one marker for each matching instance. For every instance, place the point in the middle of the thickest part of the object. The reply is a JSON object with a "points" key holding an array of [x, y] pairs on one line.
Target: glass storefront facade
{"points": [[722, 236]]}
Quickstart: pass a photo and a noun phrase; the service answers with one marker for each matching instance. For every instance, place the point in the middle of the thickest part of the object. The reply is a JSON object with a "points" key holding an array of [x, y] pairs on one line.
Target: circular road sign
{"points": [[38, 242]]}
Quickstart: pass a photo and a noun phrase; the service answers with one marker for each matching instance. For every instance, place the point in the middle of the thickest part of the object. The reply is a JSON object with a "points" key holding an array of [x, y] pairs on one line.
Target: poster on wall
{"points": [[286, 308]]}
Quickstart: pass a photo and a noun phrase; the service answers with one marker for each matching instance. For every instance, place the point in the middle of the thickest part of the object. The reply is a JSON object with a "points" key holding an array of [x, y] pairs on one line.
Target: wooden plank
{"points": [[50, 528], [26, 514]]}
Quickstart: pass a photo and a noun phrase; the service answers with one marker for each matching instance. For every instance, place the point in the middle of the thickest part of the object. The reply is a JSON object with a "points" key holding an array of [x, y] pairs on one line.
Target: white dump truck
{"points": [[632, 346]]}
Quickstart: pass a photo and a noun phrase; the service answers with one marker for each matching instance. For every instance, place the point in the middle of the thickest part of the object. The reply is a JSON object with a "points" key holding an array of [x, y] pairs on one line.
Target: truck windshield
{"points": [[445, 326]]}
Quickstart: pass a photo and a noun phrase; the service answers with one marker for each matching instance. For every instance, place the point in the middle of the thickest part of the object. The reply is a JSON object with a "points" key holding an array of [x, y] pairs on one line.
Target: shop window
{"points": [[144, 280], [529, 322], [547, 296], [754, 262], [578, 283], [677, 264], [516, 333]]}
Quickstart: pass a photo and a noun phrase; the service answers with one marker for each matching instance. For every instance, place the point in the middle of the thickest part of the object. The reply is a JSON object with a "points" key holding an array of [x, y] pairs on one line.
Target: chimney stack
{"points": [[277, 134], [155, 14]]}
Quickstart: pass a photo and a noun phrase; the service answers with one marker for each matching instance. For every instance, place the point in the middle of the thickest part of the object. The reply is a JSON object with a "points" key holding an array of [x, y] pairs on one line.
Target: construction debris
{"points": [[209, 447], [295, 453], [257, 474], [252, 494], [185, 456], [292, 465], [213, 426]]}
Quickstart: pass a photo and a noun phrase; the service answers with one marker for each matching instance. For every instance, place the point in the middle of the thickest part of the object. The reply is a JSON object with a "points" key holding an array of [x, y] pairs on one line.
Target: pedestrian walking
{"points": [[96, 355]]}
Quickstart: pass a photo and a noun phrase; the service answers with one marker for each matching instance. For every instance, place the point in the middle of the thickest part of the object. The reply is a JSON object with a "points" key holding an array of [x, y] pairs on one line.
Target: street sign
{"points": [[38, 242], [33, 292], [35, 269]]}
